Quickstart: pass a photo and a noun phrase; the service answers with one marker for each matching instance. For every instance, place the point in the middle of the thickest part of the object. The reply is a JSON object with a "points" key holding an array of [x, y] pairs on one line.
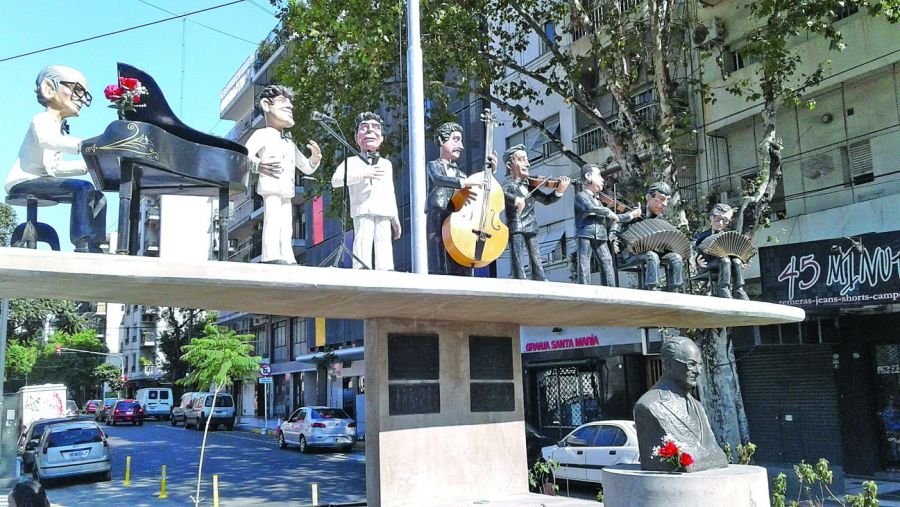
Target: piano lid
{"points": [[154, 109]]}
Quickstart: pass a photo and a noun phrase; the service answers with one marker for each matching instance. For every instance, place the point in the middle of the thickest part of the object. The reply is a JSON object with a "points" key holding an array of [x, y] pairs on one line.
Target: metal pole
{"points": [[266, 406], [4, 321], [416, 113]]}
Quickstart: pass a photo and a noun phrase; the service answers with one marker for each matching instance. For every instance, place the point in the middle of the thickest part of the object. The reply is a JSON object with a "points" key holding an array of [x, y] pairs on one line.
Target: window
{"points": [[582, 437], [262, 342], [537, 146], [549, 39], [279, 338], [610, 436], [737, 59], [299, 222], [298, 337], [153, 395]]}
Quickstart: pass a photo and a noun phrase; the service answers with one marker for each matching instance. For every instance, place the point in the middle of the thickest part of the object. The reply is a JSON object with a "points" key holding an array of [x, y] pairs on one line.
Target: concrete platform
{"points": [[354, 294], [522, 500]]}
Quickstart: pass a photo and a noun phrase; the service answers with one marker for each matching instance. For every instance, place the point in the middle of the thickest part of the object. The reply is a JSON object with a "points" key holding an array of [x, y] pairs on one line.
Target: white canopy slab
{"points": [[356, 294]]}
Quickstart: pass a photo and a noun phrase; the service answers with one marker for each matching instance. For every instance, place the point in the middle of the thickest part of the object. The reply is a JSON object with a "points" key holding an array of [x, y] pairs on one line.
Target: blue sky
{"points": [[209, 60]]}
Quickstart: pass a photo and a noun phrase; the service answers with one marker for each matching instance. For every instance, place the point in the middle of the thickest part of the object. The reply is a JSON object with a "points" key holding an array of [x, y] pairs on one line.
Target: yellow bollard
{"points": [[127, 471], [215, 491], [315, 494], [162, 484]]}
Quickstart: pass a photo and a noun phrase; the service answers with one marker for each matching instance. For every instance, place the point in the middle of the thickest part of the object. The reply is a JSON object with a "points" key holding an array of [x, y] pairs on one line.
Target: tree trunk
{"points": [[720, 390]]}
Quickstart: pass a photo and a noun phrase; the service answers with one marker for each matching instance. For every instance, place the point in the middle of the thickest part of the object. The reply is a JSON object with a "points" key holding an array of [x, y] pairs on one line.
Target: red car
{"points": [[125, 411], [91, 406]]}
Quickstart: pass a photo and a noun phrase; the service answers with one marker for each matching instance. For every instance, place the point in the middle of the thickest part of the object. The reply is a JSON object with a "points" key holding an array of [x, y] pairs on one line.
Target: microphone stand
{"points": [[335, 257]]}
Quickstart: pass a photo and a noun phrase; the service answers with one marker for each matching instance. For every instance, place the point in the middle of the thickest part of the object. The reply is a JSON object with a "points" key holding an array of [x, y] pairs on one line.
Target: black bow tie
{"points": [[373, 157], [64, 127]]}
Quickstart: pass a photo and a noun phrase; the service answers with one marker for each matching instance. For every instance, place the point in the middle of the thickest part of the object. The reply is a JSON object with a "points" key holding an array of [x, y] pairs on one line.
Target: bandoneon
{"points": [[657, 235], [728, 244]]}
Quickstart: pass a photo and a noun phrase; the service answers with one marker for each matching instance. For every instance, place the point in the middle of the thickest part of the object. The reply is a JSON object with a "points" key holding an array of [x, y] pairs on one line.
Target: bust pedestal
{"points": [[735, 486]]}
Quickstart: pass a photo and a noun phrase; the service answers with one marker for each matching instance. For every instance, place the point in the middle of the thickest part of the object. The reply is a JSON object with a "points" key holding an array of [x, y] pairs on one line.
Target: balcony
{"points": [[592, 139], [150, 246], [233, 99], [153, 213], [246, 218], [596, 15]]}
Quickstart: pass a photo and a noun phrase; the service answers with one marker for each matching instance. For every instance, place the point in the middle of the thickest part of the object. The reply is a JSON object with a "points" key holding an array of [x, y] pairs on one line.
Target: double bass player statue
{"points": [[459, 204]]}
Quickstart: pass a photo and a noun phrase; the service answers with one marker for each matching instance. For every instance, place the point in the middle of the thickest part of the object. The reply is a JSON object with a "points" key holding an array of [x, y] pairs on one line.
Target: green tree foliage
{"points": [[111, 375], [74, 369], [217, 358], [181, 326], [780, 78], [20, 359], [28, 317], [7, 223], [352, 54]]}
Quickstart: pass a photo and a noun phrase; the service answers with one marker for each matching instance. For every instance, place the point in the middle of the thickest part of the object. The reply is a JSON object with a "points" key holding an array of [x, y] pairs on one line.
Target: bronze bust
{"points": [[669, 410]]}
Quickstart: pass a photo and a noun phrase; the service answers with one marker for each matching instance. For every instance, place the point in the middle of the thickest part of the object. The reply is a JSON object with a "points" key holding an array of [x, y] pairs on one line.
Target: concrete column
{"points": [[442, 457]]}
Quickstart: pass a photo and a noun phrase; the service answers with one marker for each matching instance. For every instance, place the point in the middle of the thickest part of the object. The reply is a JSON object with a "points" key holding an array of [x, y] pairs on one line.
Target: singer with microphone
{"points": [[373, 204], [273, 155]]}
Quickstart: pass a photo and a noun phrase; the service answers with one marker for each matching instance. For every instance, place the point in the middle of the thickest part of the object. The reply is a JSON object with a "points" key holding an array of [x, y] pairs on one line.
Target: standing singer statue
{"points": [[40, 169], [373, 205], [657, 202], [445, 178], [591, 220], [521, 194], [273, 154]]}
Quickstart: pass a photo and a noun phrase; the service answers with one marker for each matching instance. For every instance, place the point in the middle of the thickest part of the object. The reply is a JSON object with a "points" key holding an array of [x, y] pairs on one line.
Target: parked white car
{"points": [[318, 427], [70, 449], [589, 448]]}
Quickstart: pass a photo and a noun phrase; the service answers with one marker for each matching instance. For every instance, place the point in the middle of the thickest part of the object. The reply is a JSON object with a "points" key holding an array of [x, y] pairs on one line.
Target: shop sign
{"points": [[840, 272], [552, 339]]}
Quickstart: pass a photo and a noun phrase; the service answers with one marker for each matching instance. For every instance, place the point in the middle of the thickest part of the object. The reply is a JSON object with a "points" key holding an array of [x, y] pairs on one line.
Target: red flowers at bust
{"points": [[126, 95], [673, 453]]}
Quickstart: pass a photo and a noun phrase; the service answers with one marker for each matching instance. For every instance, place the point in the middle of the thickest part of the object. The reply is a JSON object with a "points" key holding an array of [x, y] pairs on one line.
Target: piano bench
{"points": [[30, 232]]}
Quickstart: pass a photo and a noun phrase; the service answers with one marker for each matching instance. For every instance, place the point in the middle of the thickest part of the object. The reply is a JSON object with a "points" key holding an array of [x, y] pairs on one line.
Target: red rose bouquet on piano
{"points": [[125, 96]]}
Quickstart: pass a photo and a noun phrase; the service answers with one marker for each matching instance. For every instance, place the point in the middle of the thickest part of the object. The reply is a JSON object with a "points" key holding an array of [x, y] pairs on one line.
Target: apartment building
{"points": [[830, 249], [834, 377], [170, 227]]}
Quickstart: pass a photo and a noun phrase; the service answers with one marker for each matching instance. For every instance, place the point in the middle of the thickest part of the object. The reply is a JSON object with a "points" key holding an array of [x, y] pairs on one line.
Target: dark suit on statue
{"points": [[660, 412], [523, 227], [591, 218], [443, 182]]}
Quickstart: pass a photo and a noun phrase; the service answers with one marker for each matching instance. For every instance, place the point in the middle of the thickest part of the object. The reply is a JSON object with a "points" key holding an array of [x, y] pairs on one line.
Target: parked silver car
{"points": [[318, 427], [70, 449], [202, 409]]}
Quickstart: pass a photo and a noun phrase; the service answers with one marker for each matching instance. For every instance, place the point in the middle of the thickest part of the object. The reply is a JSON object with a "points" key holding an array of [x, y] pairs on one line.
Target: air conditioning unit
{"points": [[259, 321], [709, 33]]}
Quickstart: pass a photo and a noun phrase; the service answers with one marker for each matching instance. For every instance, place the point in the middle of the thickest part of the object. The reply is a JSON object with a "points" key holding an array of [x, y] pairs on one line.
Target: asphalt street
{"points": [[252, 470]]}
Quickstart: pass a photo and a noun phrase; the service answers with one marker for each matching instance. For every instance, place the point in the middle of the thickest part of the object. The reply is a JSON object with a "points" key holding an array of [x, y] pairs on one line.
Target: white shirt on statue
{"points": [[41, 152], [368, 196], [268, 142]]}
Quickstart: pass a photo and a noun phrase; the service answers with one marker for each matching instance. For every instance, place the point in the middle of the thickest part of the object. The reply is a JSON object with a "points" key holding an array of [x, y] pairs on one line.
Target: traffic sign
{"points": [[265, 380], [265, 369]]}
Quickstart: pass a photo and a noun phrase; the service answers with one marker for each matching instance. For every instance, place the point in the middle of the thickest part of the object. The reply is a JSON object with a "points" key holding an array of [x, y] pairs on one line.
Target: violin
{"points": [[617, 205], [542, 181]]}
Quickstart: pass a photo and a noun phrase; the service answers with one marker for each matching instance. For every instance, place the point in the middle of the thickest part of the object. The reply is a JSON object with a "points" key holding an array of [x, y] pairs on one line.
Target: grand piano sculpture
{"points": [[151, 152]]}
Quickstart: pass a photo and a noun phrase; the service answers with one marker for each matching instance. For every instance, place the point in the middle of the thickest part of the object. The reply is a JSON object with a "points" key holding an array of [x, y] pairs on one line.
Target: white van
{"points": [[157, 401]]}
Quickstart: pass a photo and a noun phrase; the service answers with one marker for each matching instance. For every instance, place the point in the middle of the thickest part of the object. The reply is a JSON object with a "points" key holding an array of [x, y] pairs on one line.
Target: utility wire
{"points": [[260, 7], [179, 16], [201, 24]]}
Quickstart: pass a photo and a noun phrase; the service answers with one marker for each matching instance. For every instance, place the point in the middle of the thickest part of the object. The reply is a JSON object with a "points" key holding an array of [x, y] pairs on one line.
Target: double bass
{"points": [[474, 235]]}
